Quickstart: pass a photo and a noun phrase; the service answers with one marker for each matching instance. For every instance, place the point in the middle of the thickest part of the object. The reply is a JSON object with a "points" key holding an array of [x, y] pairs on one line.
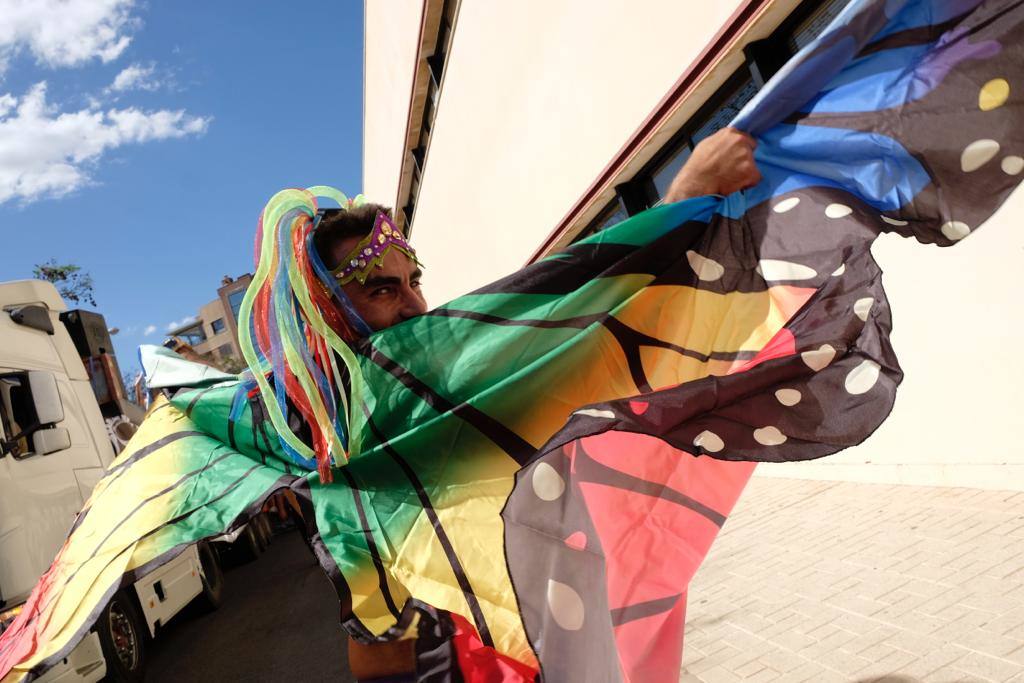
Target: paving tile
{"points": [[980, 640], [700, 665], [865, 641], [1004, 624], [842, 662], [719, 675], [894, 661], [922, 623], [782, 660], [856, 623], [984, 666], [793, 640], [763, 676], [992, 601], [811, 672], [749, 669], [914, 642], [934, 664]]}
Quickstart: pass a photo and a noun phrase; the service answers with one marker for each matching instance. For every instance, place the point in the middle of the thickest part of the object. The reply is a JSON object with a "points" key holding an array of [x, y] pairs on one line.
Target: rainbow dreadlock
{"points": [[290, 308]]}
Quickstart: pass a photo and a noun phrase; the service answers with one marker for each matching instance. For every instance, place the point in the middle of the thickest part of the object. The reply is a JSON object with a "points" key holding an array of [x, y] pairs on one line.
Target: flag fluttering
{"points": [[543, 463]]}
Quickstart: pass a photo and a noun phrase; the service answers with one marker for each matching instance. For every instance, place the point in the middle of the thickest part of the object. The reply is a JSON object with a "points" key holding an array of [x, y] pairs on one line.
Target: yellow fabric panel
{"points": [[566, 388], [470, 514], [706, 322]]}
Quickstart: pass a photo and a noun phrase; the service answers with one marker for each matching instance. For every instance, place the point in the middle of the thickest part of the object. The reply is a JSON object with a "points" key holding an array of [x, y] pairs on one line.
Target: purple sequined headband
{"points": [[370, 251]]}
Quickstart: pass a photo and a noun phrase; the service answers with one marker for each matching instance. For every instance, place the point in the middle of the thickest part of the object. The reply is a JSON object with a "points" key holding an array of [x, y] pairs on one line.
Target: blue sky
{"points": [[161, 131]]}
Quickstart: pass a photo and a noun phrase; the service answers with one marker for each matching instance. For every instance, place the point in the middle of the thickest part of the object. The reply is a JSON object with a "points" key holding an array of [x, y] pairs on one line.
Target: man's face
{"points": [[391, 293]]}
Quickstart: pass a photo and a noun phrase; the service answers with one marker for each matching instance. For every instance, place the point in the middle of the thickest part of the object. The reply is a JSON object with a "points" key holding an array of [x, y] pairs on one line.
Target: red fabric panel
{"points": [[481, 664]]}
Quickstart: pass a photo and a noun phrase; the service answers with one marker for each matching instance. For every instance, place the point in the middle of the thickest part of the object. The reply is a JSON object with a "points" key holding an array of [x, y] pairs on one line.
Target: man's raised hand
{"points": [[720, 164]]}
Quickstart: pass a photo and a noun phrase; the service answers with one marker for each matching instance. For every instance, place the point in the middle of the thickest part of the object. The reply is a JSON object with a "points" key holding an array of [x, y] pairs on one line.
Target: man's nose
{"points": [[412, 304]]}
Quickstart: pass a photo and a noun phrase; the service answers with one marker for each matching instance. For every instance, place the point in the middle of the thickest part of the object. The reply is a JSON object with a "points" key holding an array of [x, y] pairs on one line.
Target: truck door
{"points": [[39, 495]]}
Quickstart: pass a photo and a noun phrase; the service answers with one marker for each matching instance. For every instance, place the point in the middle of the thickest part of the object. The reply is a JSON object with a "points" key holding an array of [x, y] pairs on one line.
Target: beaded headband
{"points": [[371, 250]]}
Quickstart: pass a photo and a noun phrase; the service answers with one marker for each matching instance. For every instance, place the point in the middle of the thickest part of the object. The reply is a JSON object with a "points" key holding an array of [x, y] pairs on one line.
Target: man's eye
{"points": [[415, 283], [382, 291]]}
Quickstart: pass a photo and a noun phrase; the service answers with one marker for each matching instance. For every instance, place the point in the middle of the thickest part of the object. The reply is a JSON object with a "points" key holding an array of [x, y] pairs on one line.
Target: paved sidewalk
{"points": [[834, 581]]}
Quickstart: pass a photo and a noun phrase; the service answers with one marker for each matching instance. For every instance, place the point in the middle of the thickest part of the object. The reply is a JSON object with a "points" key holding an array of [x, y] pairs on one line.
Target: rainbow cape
{"points": [[538, 468]]}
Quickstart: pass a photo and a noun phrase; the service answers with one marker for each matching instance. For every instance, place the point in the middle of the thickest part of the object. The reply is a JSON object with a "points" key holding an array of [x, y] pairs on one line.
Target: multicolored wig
{"points": [[294, 325]]}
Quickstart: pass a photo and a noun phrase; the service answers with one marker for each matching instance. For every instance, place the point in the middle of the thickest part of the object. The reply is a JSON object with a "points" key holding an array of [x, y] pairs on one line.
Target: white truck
{"points": [[54, 448]]}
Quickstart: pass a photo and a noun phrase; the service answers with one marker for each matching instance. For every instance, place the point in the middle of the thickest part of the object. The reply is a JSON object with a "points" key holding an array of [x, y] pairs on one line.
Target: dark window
{"points": [[667, 172], [725, 112], [611, 215], [98, 379], [811, 27], [193, 334], [225, 351], [429, 108], [414, 187], [217, 325], [16, 410], [436, 65], [235, 301]]}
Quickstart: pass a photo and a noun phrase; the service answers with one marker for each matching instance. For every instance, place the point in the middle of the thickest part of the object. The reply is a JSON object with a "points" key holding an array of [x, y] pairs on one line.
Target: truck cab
{"points": [[54, 448]]}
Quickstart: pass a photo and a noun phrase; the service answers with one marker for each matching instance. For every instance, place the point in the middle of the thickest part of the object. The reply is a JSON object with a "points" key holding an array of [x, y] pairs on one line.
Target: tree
{"points": [[128, 378], [73, 283]]}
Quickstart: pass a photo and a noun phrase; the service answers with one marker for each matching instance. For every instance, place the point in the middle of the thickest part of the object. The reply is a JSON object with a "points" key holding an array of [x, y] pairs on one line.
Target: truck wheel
{"points": [[213, 578], [257, 530], [122, 639], [268, 531], [248, 544]]}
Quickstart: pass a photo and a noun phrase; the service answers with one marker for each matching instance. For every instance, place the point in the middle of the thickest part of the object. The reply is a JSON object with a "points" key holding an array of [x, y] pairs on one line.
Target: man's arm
{"points": [[381, 660], [720, 164]]}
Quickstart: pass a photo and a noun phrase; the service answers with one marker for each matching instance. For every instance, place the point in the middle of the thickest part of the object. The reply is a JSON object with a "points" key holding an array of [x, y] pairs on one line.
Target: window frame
{"points": [[436, 63], [231, 305]]}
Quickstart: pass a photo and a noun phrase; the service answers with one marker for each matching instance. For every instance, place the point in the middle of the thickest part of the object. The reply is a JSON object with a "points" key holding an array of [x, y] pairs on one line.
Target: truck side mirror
{"points": [[45, 397], [36, 317], [34, 403], [47, 441]]}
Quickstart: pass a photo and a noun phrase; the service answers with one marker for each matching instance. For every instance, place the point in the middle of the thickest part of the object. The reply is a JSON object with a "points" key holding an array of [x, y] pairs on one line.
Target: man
{"points": [[391, 293]]}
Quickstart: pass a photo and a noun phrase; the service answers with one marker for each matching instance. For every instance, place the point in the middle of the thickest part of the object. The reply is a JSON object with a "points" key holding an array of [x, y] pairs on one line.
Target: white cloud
{"points": [[150, 329], [175, 324], [65, 32], [48, 153], [136, 77]]}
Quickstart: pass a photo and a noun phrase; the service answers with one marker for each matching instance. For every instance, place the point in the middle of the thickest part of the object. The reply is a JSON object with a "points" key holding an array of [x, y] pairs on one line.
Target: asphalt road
{"points": [[278, 622]]}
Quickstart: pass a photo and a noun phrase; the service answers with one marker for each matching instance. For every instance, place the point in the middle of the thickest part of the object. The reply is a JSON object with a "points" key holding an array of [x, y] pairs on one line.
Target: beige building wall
{"points": [[215, 340], [538, 97], [392, 30]]}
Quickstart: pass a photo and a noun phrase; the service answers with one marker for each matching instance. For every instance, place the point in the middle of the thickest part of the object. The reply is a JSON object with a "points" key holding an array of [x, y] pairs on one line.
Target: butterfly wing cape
{"points": [[543, 463]]}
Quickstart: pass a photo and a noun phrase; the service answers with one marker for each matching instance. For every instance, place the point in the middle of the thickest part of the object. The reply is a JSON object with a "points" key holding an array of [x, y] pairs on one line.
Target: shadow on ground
{"points": [[278, 622]]}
